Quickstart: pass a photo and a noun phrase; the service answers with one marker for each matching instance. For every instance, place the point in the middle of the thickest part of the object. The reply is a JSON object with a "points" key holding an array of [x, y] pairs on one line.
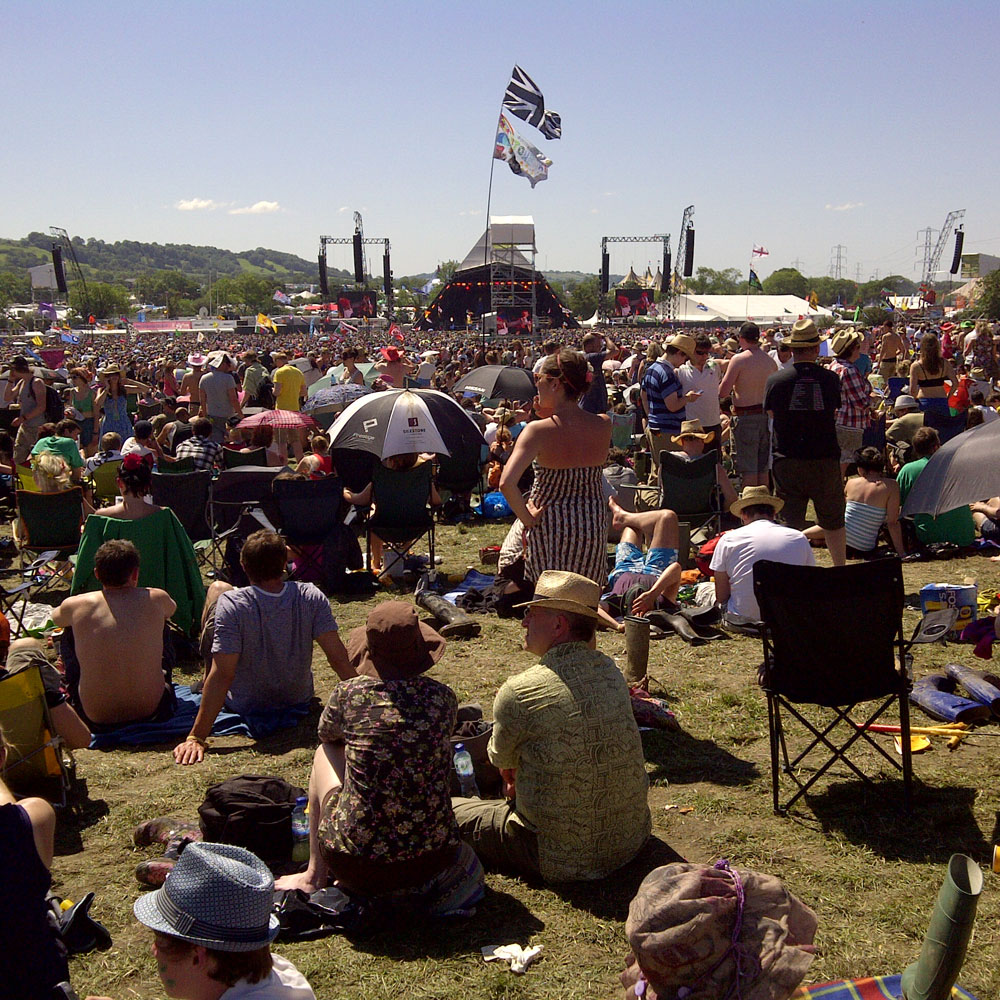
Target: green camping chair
{"points": [[402, 515], [49, 527], [105, 478]]}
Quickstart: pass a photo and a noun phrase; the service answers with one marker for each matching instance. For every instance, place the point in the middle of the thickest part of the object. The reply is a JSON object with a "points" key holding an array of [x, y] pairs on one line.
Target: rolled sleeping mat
{"points": [[935, 695], [457, 624], [978, 687]]}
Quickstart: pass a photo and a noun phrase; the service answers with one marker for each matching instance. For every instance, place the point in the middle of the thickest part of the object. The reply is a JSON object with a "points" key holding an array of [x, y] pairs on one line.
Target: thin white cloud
{"points": [[343, 208], [257, 208], [198, 205], [471, 211], [846, 207], [594, 211]]}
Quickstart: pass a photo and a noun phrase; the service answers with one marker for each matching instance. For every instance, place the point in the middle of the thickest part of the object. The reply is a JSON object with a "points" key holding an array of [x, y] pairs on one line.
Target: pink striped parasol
{"points": [[278, 418]]}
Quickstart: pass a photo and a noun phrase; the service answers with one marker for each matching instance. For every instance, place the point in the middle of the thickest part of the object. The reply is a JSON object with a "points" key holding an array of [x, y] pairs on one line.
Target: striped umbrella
{"points": [[403, 422]]}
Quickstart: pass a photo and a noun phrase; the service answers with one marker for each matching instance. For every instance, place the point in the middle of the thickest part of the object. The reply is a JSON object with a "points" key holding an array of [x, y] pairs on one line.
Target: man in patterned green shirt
{"points": [[566, 743]]}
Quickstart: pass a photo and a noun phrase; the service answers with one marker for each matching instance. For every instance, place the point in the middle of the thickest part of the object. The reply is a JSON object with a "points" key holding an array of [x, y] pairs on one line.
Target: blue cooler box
{"points": [[938, 596]]}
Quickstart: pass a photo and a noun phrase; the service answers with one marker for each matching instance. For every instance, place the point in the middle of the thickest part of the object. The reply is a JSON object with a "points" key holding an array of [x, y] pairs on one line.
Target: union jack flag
{"points": [[524, 100]]}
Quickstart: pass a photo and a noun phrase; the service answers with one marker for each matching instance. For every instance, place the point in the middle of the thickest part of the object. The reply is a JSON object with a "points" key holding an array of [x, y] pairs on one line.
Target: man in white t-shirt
{"points": [[700, 374], [760, 537]]}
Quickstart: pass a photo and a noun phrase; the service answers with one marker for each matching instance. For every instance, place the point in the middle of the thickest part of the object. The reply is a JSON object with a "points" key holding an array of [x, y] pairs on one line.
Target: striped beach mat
{"points": [[875, 988]]}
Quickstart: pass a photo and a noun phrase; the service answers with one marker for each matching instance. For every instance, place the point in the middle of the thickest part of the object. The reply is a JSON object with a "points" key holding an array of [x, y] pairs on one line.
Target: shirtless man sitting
{"points": [[117, 636], [746, 375]]}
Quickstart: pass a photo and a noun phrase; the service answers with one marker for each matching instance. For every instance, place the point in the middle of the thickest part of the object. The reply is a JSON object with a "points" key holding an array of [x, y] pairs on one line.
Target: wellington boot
{"points": [[636, 648], [933, 974], [457, 624]]}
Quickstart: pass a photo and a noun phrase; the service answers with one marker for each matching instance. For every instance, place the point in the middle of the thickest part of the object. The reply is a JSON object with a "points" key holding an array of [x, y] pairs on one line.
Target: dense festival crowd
{"points": [[845, 419]]}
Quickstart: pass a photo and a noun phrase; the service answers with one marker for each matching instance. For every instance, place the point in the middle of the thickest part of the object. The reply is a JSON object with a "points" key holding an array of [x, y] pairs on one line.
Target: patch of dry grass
{"points": [[870, 872]]}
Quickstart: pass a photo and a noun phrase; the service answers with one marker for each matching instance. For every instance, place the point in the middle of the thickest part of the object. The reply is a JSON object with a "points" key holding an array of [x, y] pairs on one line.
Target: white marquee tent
{"points": [[769, 309]]}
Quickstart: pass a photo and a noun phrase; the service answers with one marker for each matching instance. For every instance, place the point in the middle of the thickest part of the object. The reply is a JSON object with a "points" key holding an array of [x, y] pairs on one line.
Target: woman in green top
{"points": [[82, 399]]}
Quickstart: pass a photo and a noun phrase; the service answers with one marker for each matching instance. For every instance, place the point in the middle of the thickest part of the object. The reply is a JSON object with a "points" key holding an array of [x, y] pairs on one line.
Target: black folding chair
{"points": [[691, 491], [945, 424], [186, 494], [308, 511], [402, 516], [236, 490], [833, 638], [233, 458]]}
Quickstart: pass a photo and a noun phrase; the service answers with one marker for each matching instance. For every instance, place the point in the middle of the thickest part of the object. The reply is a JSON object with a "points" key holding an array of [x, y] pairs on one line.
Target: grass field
{"points": [[870, 872]]}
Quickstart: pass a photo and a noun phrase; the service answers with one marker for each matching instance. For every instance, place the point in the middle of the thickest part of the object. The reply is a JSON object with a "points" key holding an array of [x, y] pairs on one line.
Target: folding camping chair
{"points": [[691, 491], [308, 511], [147, 411], [355, 469], [105, 479], [233, 458], [622, 430], [401, 518], [49, 528], [815, 655], [35, 761], [186, 494], [176, 467], [235, 491], [945, 424], [461, 472]]}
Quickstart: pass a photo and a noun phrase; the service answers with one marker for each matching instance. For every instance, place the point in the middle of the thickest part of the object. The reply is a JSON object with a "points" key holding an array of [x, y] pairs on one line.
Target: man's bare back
{"points": [[746, 376], [118, 635]]}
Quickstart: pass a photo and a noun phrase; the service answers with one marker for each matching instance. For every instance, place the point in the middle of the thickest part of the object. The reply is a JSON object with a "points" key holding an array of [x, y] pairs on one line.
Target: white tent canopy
{"points": [[769, 309]]}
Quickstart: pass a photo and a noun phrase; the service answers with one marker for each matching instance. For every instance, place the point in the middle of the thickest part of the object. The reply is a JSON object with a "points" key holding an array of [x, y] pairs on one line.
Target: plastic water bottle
{"points": [[466, 772], [300, 831]]}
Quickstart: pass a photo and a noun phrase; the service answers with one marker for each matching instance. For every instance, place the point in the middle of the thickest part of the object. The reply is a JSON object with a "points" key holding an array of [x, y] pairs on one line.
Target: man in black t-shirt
{"points": [[803, 401]]}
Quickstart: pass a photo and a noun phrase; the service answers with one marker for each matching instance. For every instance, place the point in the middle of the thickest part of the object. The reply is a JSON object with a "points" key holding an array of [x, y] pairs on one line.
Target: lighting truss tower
{"points": [[680, 261], [662, 238], [507, 289], [932, 262]]}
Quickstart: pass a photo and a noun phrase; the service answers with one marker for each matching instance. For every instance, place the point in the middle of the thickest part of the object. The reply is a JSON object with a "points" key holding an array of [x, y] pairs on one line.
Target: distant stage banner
{"points": [[634, 302], [357, 303], [159, 325]]}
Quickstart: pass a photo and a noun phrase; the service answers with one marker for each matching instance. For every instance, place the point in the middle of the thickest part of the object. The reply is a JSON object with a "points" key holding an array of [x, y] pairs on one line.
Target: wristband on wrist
{"points": [[191, 738]]}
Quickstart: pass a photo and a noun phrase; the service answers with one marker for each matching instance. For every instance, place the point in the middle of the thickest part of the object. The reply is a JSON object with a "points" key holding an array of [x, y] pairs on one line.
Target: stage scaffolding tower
{"points": [[511, 241], [663, 238]]}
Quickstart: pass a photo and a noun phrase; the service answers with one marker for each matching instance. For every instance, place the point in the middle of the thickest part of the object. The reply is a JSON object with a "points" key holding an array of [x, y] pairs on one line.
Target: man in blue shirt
{"points": [[664, 399]]}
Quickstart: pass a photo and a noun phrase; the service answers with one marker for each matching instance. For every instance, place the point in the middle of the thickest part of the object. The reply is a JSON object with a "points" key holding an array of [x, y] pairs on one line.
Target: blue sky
{"points": [[244, 124]]}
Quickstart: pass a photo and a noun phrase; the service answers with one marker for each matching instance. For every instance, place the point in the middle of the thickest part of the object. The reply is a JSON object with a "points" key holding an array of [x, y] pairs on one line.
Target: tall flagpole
{"points": [[746, 308], [486, 236]]}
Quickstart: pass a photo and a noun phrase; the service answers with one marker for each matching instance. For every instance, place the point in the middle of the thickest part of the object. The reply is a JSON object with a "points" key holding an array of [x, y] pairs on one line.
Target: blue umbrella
{"points": [[334, 396]]}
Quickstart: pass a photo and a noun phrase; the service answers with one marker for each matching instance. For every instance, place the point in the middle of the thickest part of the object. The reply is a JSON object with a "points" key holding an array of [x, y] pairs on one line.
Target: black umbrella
{"points": [[403, 422], [498, 382]]}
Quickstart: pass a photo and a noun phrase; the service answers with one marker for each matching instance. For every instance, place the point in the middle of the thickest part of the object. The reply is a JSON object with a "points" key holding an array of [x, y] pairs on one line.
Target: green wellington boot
{"points": [[933, 974]]}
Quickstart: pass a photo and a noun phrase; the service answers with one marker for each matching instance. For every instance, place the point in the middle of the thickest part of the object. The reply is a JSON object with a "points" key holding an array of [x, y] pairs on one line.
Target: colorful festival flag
{"points": [[754, 282], [266, 322], [280, 296], [522, 158], [759, 251], [69, 338], [524, 100], [47, 310], [857, 314], [395, 332], [813, 300]]}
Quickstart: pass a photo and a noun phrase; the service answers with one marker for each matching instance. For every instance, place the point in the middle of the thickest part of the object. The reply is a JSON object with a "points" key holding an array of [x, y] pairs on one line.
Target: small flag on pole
{"points": [[759, 251], [280, 296], [47, 310], [395, 332], [266, 322], [813, 300], [524, 100], [754, 281]]}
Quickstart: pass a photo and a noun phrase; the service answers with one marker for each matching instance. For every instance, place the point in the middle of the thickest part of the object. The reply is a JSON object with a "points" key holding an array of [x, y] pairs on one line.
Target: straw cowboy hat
{"points": [[558, 590], [218, 896], [394, 644], [110, 369], [804, 334], [692, 429], [844, 341], [706, 932], [683, 343], [753, 496]]}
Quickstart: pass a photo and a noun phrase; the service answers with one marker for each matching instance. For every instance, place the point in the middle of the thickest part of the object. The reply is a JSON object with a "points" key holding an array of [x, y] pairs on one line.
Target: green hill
{"points": [[128, 259]]}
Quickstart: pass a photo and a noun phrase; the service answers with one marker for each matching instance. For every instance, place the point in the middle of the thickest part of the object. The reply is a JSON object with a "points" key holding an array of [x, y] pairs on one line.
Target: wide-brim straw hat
{"points": [[844, 341], [197, 360], [559, 590], [108, 370], [683, 343], [394, 644], [803, 334], [218, 896], [692, 429], [753, 496]]}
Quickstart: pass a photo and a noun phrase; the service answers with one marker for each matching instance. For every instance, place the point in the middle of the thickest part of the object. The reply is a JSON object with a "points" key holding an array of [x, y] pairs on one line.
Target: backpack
{"points": [[254, 812], [265, 394], [55, 409]]}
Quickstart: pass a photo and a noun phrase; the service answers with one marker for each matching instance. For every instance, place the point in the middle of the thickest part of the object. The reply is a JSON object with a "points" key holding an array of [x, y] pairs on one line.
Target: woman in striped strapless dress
{"points": [[872, 500], [565, 517]]}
